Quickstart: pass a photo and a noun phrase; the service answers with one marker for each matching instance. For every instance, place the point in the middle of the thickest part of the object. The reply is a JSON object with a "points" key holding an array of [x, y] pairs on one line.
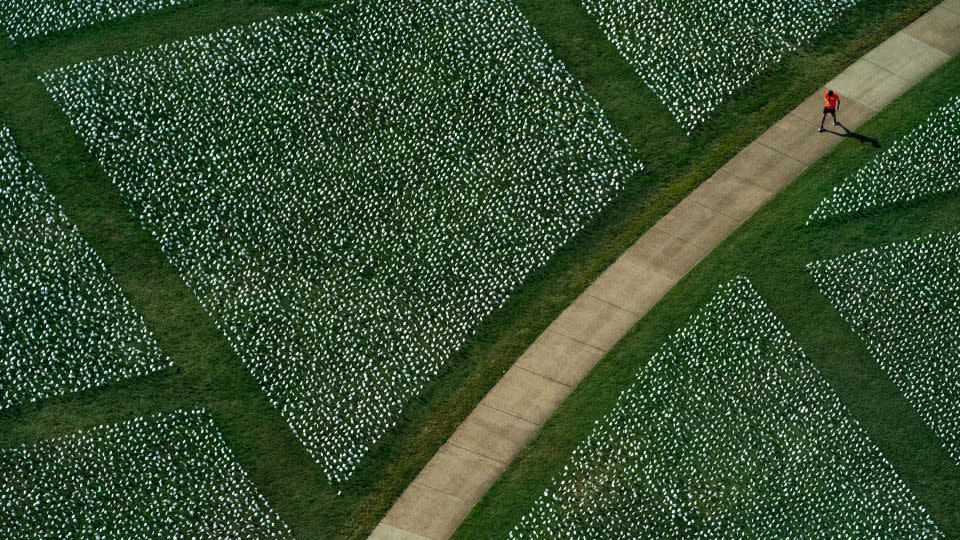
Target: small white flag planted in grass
{"points": [[165, 476], [351, 193], [65, 325], [924, 162], [903, 300], [728, 432], [25, 19], [696, 54]]}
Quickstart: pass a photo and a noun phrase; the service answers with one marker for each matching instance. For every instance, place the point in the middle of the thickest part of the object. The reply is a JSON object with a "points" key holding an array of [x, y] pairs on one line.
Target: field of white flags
{"points": [[728, 432], [903, 300], [351, 193], [695, 54], [923, 162], [65, 325], [25, 19], [164, 476]]}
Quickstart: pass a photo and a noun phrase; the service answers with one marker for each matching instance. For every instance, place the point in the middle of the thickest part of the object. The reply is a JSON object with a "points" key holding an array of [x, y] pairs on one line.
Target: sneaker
{"points": [[836, 123], [820, 130]]}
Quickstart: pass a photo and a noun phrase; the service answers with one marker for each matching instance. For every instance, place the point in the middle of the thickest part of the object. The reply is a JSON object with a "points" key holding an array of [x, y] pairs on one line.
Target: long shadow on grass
{"points": [[846, 133]]}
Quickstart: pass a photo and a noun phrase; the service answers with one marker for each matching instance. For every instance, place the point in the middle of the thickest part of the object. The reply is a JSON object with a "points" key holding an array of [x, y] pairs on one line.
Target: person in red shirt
{"points": [[831, 103]]}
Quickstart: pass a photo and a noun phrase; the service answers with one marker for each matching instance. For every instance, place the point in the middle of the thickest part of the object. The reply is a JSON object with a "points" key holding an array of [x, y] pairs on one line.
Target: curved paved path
{"points": [[458, 475]]}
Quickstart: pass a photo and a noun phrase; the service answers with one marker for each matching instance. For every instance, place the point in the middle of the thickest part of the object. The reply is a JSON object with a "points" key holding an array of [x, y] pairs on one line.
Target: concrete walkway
{"points": [[458, 475]]}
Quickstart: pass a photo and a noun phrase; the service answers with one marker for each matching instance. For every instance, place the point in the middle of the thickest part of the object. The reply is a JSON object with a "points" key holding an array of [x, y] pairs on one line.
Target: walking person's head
{"points": [[830, 93]]}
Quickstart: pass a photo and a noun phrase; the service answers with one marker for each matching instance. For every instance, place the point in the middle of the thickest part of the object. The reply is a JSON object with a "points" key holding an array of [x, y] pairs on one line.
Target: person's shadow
{"points": [[854, 135]]}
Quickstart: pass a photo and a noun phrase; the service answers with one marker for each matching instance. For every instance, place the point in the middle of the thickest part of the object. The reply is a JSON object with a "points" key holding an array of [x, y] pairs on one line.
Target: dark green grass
{"points": [[207, 372], [772, 249]]}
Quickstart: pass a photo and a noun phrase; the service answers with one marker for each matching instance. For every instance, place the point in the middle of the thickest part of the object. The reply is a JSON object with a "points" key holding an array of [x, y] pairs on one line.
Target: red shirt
{"points": [[830, 102]]}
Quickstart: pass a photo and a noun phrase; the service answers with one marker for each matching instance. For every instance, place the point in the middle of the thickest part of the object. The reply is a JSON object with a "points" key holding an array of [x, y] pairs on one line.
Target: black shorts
{"points": [[828, 110]]}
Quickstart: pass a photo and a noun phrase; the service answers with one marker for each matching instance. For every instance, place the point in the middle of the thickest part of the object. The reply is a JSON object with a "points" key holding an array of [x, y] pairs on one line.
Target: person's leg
{"points": [[822, 120], [834, 115]]}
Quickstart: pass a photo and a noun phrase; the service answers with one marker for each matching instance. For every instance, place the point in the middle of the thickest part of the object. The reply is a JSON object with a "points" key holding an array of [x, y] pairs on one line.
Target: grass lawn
{"points": [[208, 374], [771, 250]]}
